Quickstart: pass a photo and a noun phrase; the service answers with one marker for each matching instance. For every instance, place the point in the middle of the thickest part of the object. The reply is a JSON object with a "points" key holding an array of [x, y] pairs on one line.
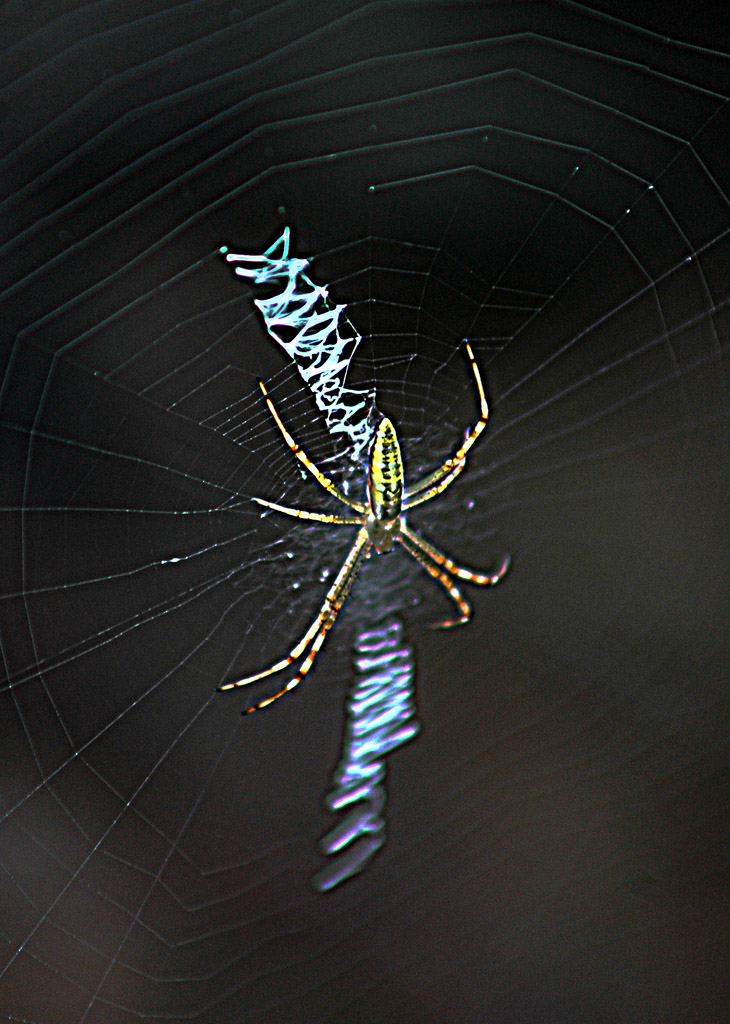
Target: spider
{"points": [[382, 524]]}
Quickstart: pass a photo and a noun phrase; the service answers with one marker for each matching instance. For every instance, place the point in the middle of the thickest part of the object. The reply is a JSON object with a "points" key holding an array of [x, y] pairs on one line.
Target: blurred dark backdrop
{"points": [[548, 179]]}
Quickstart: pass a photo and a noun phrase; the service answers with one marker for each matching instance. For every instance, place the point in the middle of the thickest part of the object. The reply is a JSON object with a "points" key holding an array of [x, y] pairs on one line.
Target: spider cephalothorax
{"points": [[382, 523]]}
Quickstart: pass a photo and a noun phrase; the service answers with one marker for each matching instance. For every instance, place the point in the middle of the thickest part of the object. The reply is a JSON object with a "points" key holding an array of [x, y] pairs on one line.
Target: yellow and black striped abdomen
{"points": [[385, 478]]}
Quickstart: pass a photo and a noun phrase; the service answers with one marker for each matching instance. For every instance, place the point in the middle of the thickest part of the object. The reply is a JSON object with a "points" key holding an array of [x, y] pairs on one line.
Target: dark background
{"points": [[549, 180]]}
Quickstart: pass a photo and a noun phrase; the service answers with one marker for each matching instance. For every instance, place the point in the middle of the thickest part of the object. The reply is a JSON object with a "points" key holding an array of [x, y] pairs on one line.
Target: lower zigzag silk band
{"points": [[381, 713]]}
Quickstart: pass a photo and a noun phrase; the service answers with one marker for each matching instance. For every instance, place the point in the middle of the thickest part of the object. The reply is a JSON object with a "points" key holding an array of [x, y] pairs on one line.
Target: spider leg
{"points": [[323, 480], [320, 517], [317, 632], [452, 590], [436, 489], [470, 438], [463, 573]]}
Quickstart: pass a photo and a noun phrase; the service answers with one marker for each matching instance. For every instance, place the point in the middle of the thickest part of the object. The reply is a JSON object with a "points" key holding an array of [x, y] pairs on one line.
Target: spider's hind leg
{"points": [[317, 632], [439, 565], [446, 582], [481, 579]]}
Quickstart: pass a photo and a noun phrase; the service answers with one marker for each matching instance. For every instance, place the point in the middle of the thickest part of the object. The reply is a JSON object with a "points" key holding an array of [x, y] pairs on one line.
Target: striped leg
{"points": [[319, 517], [440, 558], [323, 480], [317, 632], [471, 437], [446, 582], [436, 489]]}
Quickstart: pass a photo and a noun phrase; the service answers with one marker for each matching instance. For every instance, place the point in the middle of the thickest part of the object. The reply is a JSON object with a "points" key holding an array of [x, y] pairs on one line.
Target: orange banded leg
{"points": [[471, 437], [481, 579], [292, 656], [320, 517], [436, 489], [438, 574], [318, 630], [305, 460]]}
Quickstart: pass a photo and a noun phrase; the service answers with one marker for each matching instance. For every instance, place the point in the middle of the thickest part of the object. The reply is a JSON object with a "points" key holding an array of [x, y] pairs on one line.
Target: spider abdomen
{"points": [[385, 476]]}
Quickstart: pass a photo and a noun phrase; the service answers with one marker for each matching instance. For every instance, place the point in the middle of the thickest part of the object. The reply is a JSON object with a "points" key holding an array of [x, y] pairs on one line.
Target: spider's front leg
{"points": [[300, 454], [434, 483]]}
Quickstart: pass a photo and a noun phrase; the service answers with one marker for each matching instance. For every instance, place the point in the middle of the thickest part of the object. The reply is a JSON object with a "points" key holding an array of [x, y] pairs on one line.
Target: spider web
{"points": [[546, 180]]}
